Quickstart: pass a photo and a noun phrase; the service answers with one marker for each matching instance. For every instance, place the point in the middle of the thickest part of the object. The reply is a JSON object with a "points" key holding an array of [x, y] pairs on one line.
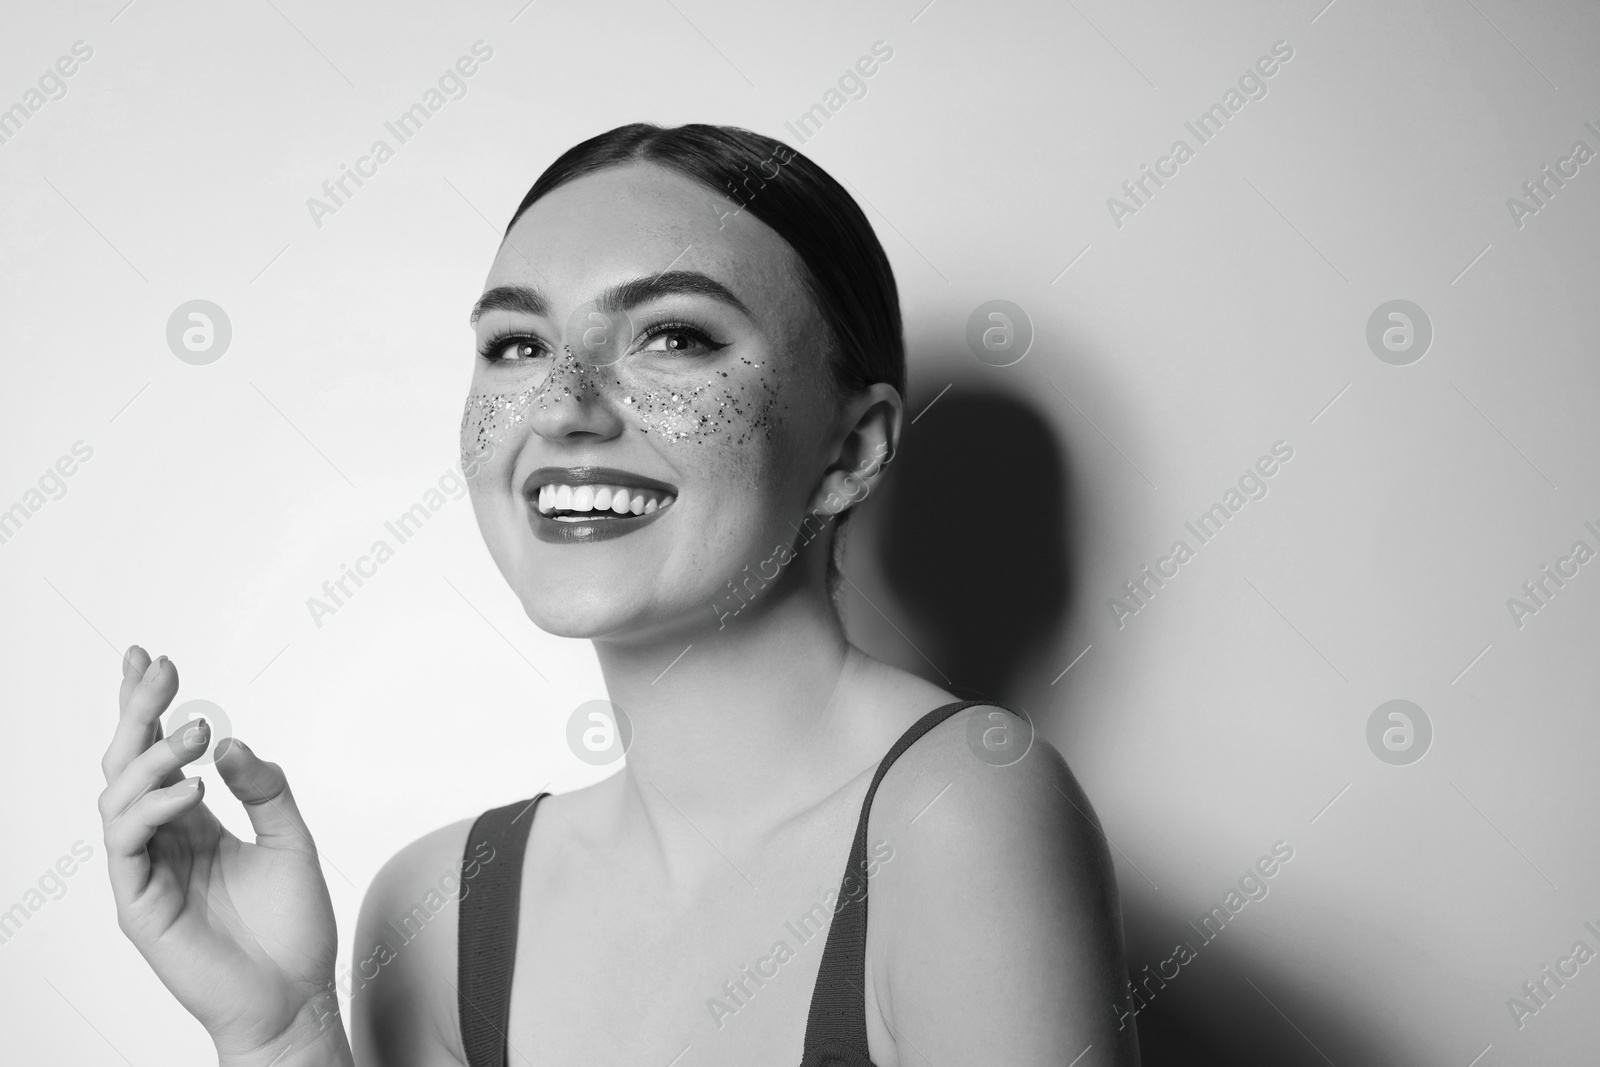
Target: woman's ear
{"points": [[871, 423]]}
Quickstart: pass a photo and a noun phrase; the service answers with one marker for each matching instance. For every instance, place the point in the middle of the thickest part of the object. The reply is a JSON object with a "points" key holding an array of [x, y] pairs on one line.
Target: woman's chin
{"points": [[577, 620], [618, 619], [586, 616]]}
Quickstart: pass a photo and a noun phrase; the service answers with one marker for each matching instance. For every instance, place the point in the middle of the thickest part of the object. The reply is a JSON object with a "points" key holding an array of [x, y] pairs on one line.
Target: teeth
{"points": [[589, 499]]}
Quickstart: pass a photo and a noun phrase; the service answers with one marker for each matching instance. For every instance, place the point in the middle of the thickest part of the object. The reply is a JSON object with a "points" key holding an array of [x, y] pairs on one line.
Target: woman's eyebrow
{"points": [[630, 294], [510, 298], [618, 297]]}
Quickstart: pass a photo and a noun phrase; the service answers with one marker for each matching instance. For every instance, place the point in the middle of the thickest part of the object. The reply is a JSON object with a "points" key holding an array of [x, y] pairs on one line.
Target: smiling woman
{"points": [[663, 391]]}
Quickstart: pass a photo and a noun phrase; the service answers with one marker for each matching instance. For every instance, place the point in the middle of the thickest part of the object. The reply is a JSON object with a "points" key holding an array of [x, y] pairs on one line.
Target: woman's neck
{"points": [[738, 731]]}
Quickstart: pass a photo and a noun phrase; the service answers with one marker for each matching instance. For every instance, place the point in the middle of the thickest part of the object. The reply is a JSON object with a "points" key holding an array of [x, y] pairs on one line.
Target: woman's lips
{"points": [[568, 505]]}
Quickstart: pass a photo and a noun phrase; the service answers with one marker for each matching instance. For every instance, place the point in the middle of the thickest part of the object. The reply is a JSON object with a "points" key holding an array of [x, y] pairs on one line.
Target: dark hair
{"points": [[846, 272]]}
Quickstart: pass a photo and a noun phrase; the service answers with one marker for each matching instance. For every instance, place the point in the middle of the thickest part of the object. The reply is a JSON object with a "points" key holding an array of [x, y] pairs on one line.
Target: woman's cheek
{"points": [[492, 428], [734, 415]]}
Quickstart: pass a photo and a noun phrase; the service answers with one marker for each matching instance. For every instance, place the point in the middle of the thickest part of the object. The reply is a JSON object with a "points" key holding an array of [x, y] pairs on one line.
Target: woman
{"points": [[689, 367]]}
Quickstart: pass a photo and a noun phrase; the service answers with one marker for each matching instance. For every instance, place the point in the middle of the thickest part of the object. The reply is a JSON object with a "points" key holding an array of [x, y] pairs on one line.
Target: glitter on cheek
{"points": [[717, 408], [487, 420]]}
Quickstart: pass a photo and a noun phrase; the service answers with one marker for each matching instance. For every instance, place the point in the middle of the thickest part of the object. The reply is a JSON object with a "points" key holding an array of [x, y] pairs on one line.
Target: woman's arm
{"points": [[994, 933]]}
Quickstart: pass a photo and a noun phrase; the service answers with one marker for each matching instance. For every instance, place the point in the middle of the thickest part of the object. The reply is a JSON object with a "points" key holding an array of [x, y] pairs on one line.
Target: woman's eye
{"points": [[511, 350], [680, 340]]}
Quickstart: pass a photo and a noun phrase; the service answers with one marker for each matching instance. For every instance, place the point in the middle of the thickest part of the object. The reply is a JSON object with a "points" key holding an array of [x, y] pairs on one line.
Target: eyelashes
{"points": [[685, 330], [513, 346], [495, 349]]}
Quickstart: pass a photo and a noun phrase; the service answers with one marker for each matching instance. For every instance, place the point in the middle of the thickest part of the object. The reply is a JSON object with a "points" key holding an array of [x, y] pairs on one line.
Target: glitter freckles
{"points": [[697, 413], [489, 418], [718, 406]]}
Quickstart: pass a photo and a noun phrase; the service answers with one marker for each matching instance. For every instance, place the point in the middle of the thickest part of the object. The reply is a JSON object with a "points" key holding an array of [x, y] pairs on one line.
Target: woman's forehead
{"points": [[638, 220]]}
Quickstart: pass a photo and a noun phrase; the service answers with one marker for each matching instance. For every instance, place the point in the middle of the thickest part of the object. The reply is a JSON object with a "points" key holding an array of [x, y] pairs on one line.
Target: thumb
{"points": [[264, 791]]}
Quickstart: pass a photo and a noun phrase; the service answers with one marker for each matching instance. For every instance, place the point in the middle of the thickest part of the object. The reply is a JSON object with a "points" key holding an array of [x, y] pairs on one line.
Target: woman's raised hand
{"points": [[242, 934]]}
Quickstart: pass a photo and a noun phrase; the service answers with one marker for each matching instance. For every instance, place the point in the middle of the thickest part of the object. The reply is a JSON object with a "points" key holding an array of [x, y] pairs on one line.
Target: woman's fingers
{"points": [[134, 663], [129, 832], [150, 769], [264, 791], [138, 725]]}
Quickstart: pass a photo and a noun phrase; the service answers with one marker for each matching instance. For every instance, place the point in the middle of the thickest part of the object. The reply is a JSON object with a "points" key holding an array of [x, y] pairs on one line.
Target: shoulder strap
{"points": [[486, 942], [836, 1029]]}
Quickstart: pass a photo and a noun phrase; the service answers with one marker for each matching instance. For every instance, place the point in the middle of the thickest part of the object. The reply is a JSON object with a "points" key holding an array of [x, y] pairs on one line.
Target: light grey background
{"points": [[1169, 353]]}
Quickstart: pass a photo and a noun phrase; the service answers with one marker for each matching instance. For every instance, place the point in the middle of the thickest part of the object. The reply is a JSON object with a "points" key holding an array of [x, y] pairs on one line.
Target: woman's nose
{"points": [[574, 401]]}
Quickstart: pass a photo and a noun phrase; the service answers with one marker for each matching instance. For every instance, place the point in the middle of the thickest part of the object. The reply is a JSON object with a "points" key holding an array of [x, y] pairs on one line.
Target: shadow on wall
{"points": [[971, 539], [969, 561], [1226, 1008]]}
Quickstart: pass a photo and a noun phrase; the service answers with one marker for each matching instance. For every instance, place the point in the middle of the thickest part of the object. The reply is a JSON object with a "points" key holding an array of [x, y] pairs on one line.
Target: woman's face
{"points": [[649, 409]]}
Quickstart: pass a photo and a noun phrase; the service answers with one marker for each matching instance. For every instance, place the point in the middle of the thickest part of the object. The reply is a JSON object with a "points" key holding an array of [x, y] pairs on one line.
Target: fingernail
{"points": [[195, 736], [127, 659], [189, 785]]}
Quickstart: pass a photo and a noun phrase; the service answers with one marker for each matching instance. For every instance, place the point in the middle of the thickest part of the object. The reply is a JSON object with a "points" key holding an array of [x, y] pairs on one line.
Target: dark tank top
{"points": [[836, 1027]]}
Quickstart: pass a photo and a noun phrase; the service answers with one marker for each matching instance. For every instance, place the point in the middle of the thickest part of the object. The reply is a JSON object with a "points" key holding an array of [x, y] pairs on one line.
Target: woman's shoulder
{"points": [[445, 845], [982, 796], [981, 832], [401, 1013], [429, 867], [1004, 777]]}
